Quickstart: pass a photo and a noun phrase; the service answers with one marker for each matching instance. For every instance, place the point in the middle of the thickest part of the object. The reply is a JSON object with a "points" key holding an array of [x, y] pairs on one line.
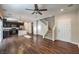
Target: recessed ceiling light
{"points": [[61, 9]]}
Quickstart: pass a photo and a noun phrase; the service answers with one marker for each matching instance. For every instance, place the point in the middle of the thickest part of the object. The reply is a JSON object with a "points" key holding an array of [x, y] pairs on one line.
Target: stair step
{"points": [[47, 37], [49, 34]]}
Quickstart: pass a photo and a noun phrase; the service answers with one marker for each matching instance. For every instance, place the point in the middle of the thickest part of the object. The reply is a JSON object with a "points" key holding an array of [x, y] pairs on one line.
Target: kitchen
{"points": [[12, 28]]}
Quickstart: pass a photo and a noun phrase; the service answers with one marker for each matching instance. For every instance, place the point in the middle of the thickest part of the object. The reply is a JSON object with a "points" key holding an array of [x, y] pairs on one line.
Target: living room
{"points": [[39, 28]]}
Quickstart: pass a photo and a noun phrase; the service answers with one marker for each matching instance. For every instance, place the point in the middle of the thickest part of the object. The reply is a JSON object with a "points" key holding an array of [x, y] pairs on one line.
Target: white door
{"points": [[64, 30]]}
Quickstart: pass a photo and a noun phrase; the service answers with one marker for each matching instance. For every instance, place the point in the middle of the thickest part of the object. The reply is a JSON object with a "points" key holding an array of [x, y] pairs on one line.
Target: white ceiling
{"points": [[18, 10]]}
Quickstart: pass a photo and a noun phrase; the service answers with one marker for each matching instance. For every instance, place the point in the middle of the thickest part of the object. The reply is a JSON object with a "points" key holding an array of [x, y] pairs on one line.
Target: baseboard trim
{"points": [[71, 42], [75, 43]]}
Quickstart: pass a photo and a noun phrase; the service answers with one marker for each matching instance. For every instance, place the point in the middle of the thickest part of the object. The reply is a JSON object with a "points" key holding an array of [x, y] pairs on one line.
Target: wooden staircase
{"points": [[49, 34], [49, 31]]}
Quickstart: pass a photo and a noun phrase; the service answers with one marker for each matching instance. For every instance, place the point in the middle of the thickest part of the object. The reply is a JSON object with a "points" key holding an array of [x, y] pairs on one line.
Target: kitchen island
{"points": [[7, 32]]}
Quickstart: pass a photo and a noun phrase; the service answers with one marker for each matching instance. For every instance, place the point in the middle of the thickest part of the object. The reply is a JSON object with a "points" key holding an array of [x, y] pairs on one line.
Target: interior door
{"points": [[64, 30]]}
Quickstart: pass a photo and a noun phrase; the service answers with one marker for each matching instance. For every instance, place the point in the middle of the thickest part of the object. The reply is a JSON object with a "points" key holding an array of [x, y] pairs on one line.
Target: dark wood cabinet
{"points": [[13, 25], [5, 34], [10, 33]]}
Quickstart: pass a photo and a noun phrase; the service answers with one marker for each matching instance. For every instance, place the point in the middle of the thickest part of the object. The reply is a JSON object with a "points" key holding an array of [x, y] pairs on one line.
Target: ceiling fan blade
{"points": [[40, 13], [29, 9], [42, 9], [33, 12], [36, 7]]}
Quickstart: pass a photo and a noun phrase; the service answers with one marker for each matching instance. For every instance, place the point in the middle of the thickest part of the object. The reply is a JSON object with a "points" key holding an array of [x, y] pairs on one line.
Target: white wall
{"points": [[74, 22], [75, 26], [27, 27], [63, 28], [39, 27], [51, 21], [1, 30]]}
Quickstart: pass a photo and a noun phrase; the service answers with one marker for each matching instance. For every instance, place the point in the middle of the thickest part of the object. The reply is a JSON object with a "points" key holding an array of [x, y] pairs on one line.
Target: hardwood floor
{"points": [[36, 45]]}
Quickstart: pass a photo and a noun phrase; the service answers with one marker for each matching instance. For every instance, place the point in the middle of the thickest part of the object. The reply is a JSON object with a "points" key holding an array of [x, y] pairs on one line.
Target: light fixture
{"points": [[61, 10], [12, 19]]}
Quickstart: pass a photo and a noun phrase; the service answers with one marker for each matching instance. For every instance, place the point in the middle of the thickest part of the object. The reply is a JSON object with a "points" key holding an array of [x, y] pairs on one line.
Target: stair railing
{"points": [[53, 32], [46, 27], [46, 30]]}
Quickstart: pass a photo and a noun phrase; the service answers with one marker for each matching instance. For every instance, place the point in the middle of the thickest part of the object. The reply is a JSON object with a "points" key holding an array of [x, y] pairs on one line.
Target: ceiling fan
{"points": [[36, 10]]}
